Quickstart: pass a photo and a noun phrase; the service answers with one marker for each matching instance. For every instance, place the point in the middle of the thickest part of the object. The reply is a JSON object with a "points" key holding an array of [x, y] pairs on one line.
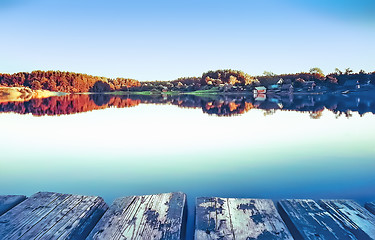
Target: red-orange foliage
{"points": [[65, 81], [69, 104]]}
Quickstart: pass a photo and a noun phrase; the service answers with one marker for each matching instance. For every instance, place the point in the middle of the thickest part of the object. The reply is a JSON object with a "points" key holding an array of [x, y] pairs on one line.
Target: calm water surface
{"points": [[149, 149]]}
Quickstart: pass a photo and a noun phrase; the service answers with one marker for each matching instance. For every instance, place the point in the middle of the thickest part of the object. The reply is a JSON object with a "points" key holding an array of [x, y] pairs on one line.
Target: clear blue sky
{"points": [[166, 39]]}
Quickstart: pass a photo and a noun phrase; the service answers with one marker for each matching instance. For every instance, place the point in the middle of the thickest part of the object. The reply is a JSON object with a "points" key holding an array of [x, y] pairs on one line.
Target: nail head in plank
{"points": [[9, 201], [371, 207], [235, 218], [44, 214], [354, 217], [160, 216], [307, 220]]}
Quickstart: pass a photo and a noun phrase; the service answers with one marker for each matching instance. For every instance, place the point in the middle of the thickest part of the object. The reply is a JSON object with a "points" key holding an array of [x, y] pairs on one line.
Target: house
{"points": [[351, 83], [281, 81], [287, 88], [260, 90], [308, 85]]}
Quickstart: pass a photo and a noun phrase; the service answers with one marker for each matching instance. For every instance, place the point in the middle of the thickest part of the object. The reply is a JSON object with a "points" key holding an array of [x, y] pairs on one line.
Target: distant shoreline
{"points": [[39, 84]]}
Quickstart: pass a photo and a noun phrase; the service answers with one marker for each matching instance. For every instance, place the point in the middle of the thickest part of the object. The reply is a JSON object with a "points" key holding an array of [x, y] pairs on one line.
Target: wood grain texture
{"points": [[352, 216], [9, 201], [371, 207], [48, 215], [232, 218], [160, 216], [307, 220]]}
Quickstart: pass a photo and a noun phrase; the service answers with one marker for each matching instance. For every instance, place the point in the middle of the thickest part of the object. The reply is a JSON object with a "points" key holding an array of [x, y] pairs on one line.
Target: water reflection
{"points": [[219, 105]]}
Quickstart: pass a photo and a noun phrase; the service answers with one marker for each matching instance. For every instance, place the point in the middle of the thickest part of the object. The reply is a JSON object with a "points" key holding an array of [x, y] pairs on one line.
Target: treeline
{"points": [[239, 80], [218, 78], [222, 79], [227, 76], [316, 75], [66, 82]]}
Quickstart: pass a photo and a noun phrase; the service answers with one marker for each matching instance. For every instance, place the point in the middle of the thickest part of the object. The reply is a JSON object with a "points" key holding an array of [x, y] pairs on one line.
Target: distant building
{"points": [[287, 88], [351, 83], [308, 85], [260, 90]]}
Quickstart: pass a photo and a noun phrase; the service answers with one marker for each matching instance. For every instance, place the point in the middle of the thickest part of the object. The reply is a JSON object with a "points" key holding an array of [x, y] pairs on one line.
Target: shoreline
{"points": [[22, 94]]}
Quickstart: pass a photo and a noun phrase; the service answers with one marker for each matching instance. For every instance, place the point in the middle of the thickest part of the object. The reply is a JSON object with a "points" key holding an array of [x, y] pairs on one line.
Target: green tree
{"points": [[316, 70], [348, 71], [268, 74], [338, 71]]}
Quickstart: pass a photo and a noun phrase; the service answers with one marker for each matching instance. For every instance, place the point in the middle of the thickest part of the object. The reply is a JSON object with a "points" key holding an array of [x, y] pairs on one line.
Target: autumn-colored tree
{"points": [[65, 81]]}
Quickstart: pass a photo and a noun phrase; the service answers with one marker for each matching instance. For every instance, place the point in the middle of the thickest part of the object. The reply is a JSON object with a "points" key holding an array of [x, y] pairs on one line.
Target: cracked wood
{"points": [[158, 216], [232, 218], [307, 220], [355, 218], [47, 215]]}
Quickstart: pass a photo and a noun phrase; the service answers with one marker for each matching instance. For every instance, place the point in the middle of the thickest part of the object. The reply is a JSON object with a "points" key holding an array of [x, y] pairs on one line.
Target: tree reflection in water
{"points": [[219, 105]]}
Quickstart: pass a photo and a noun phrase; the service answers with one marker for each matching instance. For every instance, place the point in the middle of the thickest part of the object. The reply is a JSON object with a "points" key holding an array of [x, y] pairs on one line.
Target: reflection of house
{"points": [[260, 97], [269, 106], [260, 90]]}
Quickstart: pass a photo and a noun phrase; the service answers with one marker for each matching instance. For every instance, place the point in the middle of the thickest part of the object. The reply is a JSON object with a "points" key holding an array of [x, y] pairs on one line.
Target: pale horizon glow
{"points": [[164, 40]]}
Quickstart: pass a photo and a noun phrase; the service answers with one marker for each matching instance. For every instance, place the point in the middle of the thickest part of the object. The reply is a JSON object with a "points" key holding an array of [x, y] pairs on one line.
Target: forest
{"points": [[224, 80], [69, 82]]}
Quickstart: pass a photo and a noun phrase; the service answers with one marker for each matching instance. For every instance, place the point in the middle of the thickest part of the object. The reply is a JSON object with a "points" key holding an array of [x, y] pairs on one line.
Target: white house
{"points": [[260, 90]]}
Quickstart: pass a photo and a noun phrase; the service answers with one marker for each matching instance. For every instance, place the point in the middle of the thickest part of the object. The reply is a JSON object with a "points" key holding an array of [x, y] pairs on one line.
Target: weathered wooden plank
{"points": [[160, 216], [9, 201], [51, 216], [15, 222], [371, 207], [355, 218], [233, 218], [307, 220]]}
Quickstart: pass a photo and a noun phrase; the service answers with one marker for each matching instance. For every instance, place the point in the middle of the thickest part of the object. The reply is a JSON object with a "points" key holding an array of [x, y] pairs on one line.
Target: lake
{"points": [[308, 146]]}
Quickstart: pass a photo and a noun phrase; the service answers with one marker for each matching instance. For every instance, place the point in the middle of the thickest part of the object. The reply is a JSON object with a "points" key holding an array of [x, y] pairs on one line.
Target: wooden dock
{"points": [[9, 201], [371, 207], [307, 220], [47, 215], [231, 218], [158, 216]]}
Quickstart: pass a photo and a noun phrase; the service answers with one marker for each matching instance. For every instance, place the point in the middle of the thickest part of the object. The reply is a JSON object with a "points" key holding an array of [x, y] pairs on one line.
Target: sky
{"points": [[165, 39]]}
